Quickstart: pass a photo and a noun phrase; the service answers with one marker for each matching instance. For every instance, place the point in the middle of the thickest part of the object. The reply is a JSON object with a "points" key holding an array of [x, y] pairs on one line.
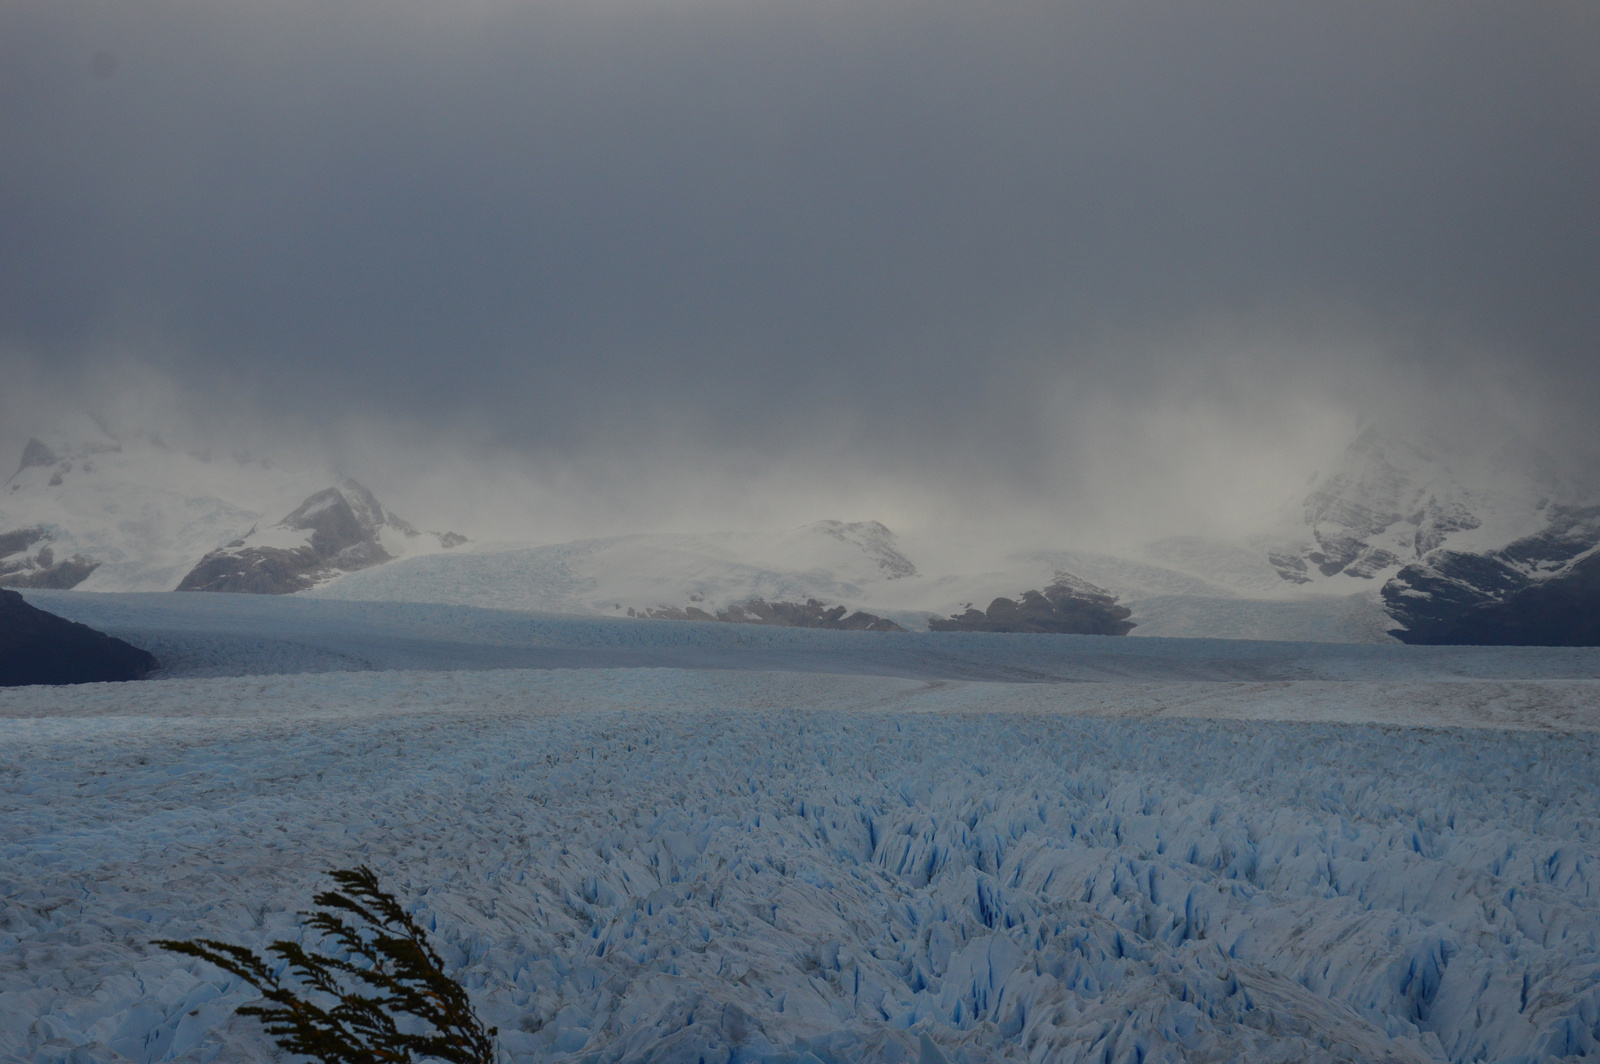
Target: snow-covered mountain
{"points": [[91, 511], [1394, 498], [713, 573], [1479, 539], [1473, 537], [840, 563], [342, 529]]}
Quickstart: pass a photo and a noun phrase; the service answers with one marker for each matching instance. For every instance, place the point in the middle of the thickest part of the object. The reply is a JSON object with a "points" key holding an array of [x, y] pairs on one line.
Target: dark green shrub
{"points": [[392, 973]]}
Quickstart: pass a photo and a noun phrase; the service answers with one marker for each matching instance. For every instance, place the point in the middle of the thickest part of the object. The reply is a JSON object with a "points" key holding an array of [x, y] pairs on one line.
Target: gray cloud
{"points": [[955, 248]]}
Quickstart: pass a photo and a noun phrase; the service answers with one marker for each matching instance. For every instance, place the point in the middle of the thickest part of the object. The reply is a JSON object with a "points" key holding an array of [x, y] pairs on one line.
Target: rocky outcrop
{"points": [[40, 569], [1069, 606], [1540, 590], [51, 574], [338, 530], [40, 648], [1392, 500], [810, 614], [35, 453]]}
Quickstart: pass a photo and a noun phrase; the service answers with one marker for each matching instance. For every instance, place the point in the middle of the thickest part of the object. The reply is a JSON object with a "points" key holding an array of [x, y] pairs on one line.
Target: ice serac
{"points": [[1069, 606], [1540, 590], [338, 530], [671, 865], [40, 648]]}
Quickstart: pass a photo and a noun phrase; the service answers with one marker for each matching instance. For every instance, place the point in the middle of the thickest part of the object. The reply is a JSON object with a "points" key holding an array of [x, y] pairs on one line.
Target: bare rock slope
{"points": [[339, 530], [1539, 590]]}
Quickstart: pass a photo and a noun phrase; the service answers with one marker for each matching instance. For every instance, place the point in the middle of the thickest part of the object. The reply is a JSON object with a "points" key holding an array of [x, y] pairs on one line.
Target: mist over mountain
{"points": [[88, 510], [1408, 534], [1049, 287], [807, 530], [1121, 272]]}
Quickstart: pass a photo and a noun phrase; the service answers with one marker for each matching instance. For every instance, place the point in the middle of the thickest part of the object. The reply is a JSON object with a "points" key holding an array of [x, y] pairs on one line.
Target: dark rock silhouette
{"points": [[810, 614], [1561, 612], [40, 648], [35, 453], [1069, 606], [1541, 590], [19, 540]]}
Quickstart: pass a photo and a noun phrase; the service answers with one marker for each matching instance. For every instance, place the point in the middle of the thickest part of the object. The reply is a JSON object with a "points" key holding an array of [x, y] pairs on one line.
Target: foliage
{"points": [[391, 974]]}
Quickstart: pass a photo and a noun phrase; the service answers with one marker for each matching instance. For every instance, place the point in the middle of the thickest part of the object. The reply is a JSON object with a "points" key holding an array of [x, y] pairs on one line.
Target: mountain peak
{"points": [[1398, 493], [340, 529], [873, 539]]}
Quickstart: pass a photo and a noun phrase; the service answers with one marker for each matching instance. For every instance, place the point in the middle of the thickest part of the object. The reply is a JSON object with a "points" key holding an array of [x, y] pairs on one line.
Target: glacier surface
{"points": [[1293, 853]]}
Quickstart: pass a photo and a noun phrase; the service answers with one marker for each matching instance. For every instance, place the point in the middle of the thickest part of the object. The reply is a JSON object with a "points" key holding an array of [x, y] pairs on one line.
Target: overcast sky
{"points": [[687, 261]]}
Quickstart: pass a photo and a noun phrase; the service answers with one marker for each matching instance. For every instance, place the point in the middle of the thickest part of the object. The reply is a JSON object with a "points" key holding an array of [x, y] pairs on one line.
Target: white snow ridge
{"points": [[1219, 851]]}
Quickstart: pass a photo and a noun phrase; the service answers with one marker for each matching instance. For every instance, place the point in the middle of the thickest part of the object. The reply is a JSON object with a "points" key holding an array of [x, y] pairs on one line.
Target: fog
{"points": [[1082, 272]]}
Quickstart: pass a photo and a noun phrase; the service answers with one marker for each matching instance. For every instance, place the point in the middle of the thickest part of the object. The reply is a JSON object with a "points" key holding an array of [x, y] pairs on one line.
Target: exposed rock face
{"points": [[18, 568], [873, 539], [40, 648], [19, 540], [1437, 520], [1392, 501], [1540, 590], [1069, 606], [1290, 566], [1480, 541], [35, 453], [337, 530], [811, 614]]}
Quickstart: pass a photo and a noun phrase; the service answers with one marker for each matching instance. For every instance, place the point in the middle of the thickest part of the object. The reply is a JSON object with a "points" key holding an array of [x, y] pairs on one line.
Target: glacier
{"points": [[680, 842]]}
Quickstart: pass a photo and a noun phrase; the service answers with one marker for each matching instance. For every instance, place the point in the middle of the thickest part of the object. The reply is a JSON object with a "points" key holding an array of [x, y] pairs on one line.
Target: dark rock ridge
{"points": [[1541, 590], [342, 533], [40, 648], [1069, 606], [810, 614]]}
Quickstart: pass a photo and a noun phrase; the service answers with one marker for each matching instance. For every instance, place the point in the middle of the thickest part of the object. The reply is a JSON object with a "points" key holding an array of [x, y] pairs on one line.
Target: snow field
{"points": [[741, 866]]}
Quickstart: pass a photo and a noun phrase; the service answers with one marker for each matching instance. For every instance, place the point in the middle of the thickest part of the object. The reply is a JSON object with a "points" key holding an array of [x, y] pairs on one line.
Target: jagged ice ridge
{"points": [[684, 865]]}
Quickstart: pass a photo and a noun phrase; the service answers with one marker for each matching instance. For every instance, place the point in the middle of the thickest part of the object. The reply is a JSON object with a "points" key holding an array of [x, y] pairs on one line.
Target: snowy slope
{"points": [[611, 576], [1396, 521], [143, 512], [338, 530], [840, 563], [1475, 536], [649, 865], [135, 514], [862, 565], [1396, 495]]}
